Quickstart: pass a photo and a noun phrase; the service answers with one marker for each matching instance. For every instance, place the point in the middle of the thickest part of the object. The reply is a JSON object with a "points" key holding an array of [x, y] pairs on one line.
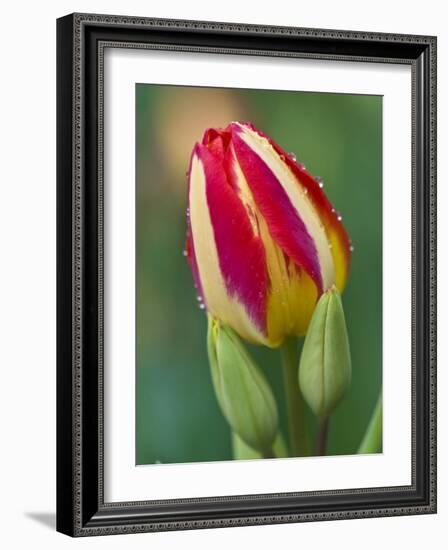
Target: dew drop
{"points": [[199, 298], [292, 156], [184, 253], [201, 306], [333, 210], [321, 184], [339, 217], [352, 248]]}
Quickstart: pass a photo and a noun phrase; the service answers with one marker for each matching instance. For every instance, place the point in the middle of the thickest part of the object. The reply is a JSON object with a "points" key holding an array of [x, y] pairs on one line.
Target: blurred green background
{"points": [[337, 137]]}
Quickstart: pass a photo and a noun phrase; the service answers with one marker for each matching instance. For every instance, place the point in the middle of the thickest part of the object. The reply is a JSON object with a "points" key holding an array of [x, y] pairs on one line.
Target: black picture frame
{"points": [[81, 510]]}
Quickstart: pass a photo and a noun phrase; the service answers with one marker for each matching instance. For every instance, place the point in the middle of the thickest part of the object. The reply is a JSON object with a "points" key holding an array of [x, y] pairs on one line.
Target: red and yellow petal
{"points": [[292, 293], [293, 221], [335, 230], [229, 255]]}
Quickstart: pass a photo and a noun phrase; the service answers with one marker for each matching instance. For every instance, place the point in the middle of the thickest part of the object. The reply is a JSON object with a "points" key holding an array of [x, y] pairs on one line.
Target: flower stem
{"points": [[372, 441], [321, 436], [269, 454], [298, 433]]}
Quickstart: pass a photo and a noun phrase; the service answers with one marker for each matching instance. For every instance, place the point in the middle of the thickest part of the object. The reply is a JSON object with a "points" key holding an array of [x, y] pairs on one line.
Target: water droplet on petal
{"points": [[321, 184], [339, 217], [292, 156], [201, 306], [184, 253], [352, 248], [333, 210]]}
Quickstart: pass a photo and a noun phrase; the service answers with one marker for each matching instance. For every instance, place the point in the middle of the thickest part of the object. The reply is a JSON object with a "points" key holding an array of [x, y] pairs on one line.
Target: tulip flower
{"points": [[264, 242]]}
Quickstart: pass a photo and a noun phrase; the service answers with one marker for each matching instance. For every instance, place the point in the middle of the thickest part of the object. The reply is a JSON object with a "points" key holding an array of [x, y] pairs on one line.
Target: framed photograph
{"points": [[246, 274]]}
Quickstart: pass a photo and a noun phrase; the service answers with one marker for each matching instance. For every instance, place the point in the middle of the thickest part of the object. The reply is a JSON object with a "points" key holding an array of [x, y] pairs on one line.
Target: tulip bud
{"points": [[243, 393], [325, 365], [242, 451], [263, 242]]}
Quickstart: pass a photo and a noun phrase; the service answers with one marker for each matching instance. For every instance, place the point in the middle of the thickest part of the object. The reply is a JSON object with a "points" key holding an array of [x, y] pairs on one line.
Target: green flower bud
{"points": [[243, 393], [325, 365]]}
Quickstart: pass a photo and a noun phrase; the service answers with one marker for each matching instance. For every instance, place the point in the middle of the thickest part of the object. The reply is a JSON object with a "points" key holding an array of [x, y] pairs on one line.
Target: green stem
{"points": [[269, 454], [298, 434], [372, 441], [321, 437]]}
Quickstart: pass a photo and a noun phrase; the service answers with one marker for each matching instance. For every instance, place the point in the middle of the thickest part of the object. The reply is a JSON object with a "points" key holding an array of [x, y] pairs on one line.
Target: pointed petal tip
{"points": [[197, 149]]}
